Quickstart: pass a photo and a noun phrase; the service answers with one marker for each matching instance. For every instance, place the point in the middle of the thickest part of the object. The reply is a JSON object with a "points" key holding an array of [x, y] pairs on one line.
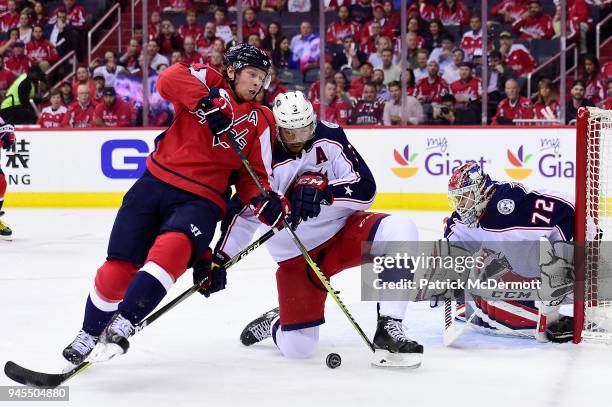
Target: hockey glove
{"points": [[271, 209], [310, 191], [218, 111], [561, 331], [7, 137], [210, 274]]}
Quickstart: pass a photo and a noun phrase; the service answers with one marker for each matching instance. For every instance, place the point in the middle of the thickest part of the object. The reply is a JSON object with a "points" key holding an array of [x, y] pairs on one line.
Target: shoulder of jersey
{"points": [[329, 130]]}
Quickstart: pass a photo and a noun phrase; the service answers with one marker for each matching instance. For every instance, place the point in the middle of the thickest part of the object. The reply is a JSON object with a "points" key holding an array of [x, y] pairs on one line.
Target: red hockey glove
{"points": [[7, 137], [219, 112], [310, 191], [271, 209]]}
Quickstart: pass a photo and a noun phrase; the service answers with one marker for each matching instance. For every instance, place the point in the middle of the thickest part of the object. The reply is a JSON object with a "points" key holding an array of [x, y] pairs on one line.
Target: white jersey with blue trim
{"points": [[514, 217], [328, 152]]}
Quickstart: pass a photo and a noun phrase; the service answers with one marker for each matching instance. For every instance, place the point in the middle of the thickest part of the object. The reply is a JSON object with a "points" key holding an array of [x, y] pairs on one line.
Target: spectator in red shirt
{"points": [[251, 25], [190, 55], [595, 90], [510, 10], [216, 60], [81, 112], [19, 62], [52, 115], [206, 43], [40, 16], [467, 89], [83, 78], [10, 18], [392, 15], [129, 59], [453, 12], [190, 28], [3, 6], [368, 45], [343, 27], [168, 39], [177, 6], [365, 76], [114, 112], [516, 56], [537, 25], [433, 87], [336, 111], [6, 78], [379, 17], [77, 15], [313, 92], [472, 39], [546, 105], [607, 103], [41, 50], [272, 5], [368, 110], [514, 106], [154, 24]]}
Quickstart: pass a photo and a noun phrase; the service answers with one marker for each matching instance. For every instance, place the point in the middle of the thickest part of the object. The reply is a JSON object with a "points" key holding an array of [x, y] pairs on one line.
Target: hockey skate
{"points": [[258, 329], [80, 348], [5, 231], [393, 347], [113, 340]]}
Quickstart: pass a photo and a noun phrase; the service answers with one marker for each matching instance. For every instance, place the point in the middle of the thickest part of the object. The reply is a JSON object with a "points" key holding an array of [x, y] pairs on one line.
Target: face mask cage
{"points": [[466, 202], [296, 136]]}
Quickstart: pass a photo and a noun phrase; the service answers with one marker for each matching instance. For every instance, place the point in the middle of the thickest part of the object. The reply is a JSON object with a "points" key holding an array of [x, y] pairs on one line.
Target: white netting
{"points": [[598, 276]]}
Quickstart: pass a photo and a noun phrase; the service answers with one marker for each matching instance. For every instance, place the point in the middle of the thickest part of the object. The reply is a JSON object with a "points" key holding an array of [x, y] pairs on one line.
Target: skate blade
{"points": [[104, 351], [386, 359], [6, 238]]}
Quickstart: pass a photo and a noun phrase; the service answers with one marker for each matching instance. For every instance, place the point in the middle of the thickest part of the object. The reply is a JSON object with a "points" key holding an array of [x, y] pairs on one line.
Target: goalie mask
{"points": [[469, 192], [296, 120]]}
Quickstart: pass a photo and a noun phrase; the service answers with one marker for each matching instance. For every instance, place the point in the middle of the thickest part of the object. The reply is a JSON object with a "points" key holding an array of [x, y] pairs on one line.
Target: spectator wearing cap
{"points": [[313, 92], [368, 110], [516, 56], [342, 28], [472, 39], [365, 76], [40, 50], [453, 12], [99, 85], [468, 88], [19, 62], [156, 60], [110, 70], [222, 26], [16, 107], [537, 25], [305, 47], [251, 25], [510, 10], [577, 101], [76, 15], [60, 34], [83, 78], [52, 116], [190, 28], [444, 54], [433, 87], [392, 71], [129, 59], [81, 112], [10, 18], [451, 72], [114, 112], [190, 55], [6, 78], [392, 113], [420, 70], [361, 11], [514, 106]]}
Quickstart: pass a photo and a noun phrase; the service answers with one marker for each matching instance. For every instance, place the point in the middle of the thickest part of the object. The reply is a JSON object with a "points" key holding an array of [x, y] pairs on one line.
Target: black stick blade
{"points": [[37, 379]]}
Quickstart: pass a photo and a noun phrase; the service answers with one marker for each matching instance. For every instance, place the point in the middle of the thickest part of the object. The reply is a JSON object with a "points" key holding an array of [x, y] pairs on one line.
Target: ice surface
{"points": [[192, 355]]}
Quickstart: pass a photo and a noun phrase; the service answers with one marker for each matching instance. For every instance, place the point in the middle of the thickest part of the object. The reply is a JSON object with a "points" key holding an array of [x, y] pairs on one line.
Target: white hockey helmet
{"points": [[295, 114]]}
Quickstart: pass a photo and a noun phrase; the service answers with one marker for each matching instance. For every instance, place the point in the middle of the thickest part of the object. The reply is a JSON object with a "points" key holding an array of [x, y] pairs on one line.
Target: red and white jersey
{"points": [[78, 116], [77, 17], [50, 118], [8, 21], [42, 49], [6, 78], [470, 42], [3, 6], [529, 27], [337, 31], [18, 65], [470, 89], [195, 32], [431, 91], [595, 90], [514, 8], [194, 58], [352, 184], [520, 60], [546, 112], [190, 157], [335, 112], [459, 16], [520, 109], [205, 47], [426, 11], [179, 4], [337, 3], [118, 115], [257, 28]]}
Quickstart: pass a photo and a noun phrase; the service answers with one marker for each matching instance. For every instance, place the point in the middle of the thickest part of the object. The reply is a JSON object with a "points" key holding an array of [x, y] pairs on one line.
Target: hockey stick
{"points": [[451, 330], [238, 150], [38, 379]]}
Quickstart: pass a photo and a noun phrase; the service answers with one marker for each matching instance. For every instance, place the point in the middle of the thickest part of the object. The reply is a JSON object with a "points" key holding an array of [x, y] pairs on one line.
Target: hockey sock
{"points": [[97, 318], [145, 292], [2, 188]]}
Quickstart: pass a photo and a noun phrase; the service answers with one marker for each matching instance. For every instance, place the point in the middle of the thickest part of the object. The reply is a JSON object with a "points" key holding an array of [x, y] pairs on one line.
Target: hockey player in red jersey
{"points": [[330, 188], [7, 140], [168, 217]]}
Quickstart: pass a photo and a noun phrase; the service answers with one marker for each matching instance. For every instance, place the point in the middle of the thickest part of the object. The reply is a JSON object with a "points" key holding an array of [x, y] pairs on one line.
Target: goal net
{"points": [[593, 228]]}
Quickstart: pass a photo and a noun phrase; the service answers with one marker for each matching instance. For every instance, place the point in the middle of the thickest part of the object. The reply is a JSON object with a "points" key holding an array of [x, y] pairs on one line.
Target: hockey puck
{"points": [[333, 360]]}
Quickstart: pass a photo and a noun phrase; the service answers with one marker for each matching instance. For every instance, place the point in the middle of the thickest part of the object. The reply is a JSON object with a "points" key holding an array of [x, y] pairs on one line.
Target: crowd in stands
{"points": [[362, 60]]}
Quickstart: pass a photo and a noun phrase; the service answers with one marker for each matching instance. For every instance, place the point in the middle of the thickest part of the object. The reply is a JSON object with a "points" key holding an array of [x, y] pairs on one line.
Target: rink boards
{"points": [[412, 165]]}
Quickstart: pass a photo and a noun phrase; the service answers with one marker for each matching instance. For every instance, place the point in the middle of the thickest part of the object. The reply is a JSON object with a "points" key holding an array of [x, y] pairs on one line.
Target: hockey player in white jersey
{"points": [[507, 221], [329, 187]]}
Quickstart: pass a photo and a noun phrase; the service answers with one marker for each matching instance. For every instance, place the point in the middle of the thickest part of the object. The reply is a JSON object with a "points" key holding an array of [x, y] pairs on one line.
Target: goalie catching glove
{"points": [[310, 191], [219, 112], [209, 273]]}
